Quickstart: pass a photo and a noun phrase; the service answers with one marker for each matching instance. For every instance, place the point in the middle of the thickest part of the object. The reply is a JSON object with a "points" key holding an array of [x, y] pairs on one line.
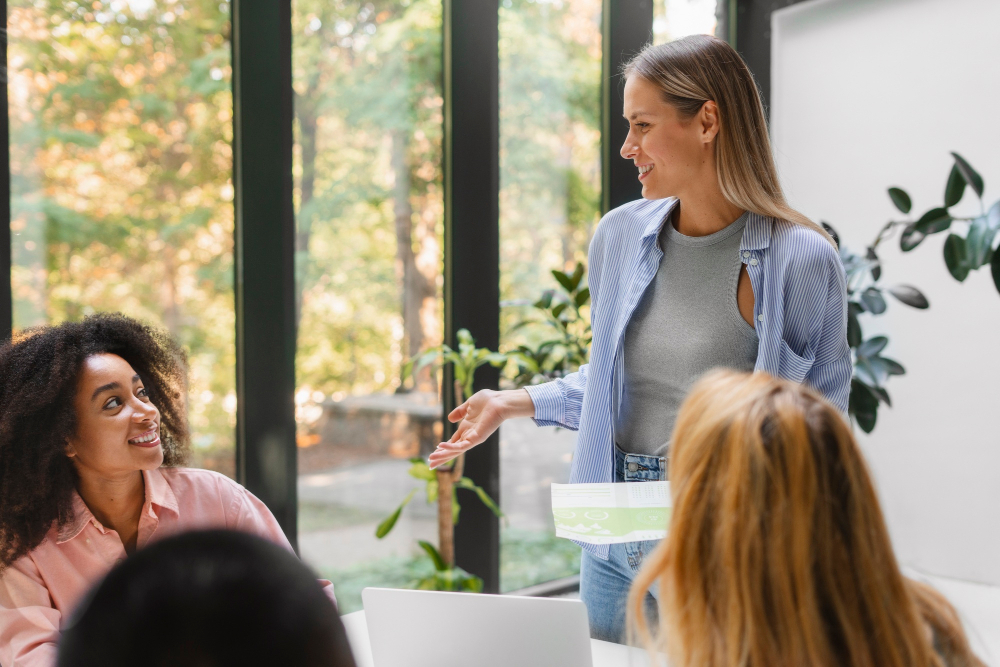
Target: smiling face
{"points": [[117, 427], [672, 153]]}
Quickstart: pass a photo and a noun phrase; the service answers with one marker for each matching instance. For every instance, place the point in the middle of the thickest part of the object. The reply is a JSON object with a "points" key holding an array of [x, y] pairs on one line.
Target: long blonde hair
{"points": [[778, 554], [695, 69]]}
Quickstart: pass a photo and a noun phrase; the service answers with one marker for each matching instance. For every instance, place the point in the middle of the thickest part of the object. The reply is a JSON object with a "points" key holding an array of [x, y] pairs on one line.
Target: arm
{"points": [[831, 373], [250, 515], [29, 624]]}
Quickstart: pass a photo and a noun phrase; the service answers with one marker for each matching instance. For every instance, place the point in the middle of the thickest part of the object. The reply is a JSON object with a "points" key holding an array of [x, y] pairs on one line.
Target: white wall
{"points": [[873, 93]]}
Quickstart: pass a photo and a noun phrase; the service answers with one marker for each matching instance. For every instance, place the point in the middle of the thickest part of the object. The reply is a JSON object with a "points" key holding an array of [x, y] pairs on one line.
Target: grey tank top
{"points": [[686, 324]]}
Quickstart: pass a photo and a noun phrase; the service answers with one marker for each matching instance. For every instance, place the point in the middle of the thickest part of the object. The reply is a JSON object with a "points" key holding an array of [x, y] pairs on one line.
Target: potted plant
{"points": [[441, 485]]}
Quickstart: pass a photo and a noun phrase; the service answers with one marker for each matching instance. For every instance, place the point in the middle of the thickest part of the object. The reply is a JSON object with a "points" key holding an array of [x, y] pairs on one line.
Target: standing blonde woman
{"points": [[778, 554], [711, 268]]}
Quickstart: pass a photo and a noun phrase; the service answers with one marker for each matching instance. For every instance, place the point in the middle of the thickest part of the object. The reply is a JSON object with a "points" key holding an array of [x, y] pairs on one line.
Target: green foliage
{"points": [[446, 578], [962, 255], [465, 360], [566, 315]]}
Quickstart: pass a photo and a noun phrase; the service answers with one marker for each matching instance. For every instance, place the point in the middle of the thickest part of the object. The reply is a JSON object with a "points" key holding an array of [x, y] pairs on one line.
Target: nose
{"points": [[144, 412], [629, 149]]}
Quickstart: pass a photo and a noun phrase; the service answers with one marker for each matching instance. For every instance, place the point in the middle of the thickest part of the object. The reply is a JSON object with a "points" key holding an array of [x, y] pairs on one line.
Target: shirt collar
{"points": [[158, 495], [756, 235], [656, 223]]}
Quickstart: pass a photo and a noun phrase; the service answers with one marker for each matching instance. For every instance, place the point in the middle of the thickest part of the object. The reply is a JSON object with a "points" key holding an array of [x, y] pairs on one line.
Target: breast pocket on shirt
{"points": [[794, 366]]}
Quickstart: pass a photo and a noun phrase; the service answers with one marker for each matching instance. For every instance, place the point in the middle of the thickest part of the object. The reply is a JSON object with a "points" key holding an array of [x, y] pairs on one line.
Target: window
{"points": [[368, 262], [120, 130], [550, 173]]}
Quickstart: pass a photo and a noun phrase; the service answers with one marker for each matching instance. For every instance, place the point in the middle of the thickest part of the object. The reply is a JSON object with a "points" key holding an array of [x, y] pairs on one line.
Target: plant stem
{"points": [[446, 478]]}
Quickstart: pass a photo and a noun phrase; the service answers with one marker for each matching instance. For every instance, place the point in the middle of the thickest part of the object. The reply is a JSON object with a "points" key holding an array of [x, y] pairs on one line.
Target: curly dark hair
{"points": [[39, 371]]}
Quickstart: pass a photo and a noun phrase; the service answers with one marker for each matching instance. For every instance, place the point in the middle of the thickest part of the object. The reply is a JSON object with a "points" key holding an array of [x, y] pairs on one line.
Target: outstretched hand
{"points": [[479, 417]]}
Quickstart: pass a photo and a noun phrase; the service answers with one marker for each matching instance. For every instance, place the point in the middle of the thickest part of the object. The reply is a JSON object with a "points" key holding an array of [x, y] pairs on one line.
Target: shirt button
{"points": [[753, 262], [632, 467], [746, 255], [760, 318]]}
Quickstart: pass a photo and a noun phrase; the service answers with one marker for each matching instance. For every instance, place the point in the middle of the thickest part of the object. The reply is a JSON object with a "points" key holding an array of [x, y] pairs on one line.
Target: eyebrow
{"points": [[111, 385], [636, 114]]}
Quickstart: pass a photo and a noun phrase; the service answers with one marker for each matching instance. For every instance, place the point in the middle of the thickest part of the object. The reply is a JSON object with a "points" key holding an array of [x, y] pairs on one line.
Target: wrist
{"points": [[518, 403]]}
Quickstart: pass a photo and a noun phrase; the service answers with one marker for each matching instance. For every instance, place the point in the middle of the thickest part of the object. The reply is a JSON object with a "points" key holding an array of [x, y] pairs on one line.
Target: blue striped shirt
{"points": [[800, 313]]}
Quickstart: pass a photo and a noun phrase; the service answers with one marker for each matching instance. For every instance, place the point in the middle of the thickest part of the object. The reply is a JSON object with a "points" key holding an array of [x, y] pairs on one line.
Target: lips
{"points": [[644, 170], [150, 438]]}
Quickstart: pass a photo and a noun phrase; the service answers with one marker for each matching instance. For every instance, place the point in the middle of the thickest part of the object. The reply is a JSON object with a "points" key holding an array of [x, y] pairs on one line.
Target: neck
{"points": [[115, 501], [704, 210]]}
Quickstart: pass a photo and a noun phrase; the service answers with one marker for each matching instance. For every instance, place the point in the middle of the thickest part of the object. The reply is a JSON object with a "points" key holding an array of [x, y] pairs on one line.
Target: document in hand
{"points": [[611, 513]]}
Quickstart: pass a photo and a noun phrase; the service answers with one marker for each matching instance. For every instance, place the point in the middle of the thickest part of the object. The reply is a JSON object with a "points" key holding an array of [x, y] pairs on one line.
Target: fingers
{"points": [[458, 413], [446, 451]]}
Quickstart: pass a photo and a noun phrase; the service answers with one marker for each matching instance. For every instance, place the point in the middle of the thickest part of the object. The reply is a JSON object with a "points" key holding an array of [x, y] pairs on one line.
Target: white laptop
{"points": [[431, 629]]}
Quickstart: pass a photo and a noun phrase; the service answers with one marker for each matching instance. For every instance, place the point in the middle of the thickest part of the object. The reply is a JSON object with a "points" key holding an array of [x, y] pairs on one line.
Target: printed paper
{"points": [[611, 513]]}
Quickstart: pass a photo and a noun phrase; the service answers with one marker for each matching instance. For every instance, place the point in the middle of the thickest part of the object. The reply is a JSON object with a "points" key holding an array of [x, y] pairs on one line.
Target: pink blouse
{"points": [[40, 590]]}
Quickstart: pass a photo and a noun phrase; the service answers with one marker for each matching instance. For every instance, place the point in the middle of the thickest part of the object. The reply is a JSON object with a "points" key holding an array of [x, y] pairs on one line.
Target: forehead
{"points": [[643, 98], [103, 368]]}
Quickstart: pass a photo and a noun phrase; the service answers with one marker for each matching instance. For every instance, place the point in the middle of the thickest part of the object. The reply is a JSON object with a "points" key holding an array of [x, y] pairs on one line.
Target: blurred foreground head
{"points": [[207, 599], [777, 552]]}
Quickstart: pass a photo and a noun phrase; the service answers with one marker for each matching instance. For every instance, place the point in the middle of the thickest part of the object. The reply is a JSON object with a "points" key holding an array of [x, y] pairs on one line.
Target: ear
{"points": [[709, 121], [70, 449]]}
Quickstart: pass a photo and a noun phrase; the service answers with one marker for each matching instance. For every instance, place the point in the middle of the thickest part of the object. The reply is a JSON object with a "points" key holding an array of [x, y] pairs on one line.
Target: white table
{"points": [[604, 653]]}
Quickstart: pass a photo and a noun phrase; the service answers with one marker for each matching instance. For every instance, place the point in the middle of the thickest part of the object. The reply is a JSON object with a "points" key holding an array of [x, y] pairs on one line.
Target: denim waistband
{"points": [[639, 467]]}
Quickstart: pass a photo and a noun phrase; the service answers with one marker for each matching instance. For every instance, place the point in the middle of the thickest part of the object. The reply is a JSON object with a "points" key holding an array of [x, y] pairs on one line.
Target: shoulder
{"points": [[196, 483], [629, 220], [804, 252]]}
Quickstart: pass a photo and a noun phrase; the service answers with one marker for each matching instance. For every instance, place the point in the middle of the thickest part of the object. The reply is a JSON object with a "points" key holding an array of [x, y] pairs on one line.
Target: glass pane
{"points": [[121, 191], [369, 215], [550, 77], [673, 19]]}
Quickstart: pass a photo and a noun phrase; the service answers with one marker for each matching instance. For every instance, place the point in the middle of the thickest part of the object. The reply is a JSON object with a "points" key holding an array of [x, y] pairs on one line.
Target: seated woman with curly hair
{"points": [[777, 554], [92, 433]]}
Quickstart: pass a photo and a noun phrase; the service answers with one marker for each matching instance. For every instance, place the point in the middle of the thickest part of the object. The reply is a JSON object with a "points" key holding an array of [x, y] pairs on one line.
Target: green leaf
{"points": [[979, 242], [956, 257], [882, 394], [435, 555], [955, 188], [934, 221], [900, 199], [872, 346], [970, 175], [831, 231], [390, 521], [420, 470], [853, 326], [995, 269], [911, 237], [582, 297], [864, 372], [558, 310], [546, 300], [873, 301], [876, 269], [564, 280], [863, 404], [893, 366], [466, 483], [577, 276], [909, 295]]}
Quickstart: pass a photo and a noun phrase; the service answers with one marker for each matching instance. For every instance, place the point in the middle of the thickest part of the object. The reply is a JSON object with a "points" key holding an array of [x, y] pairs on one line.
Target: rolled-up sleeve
{"points": [[249, 515], [560, 402], [29, 624], [831, 373]]}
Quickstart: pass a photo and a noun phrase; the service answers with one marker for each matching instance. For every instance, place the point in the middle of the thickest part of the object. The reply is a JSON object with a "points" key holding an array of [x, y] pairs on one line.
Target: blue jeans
{"points": [[604, 584]]}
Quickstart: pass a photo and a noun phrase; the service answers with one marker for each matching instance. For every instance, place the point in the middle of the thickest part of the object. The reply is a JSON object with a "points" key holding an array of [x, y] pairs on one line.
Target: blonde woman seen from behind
{"points": [[778, 554]]}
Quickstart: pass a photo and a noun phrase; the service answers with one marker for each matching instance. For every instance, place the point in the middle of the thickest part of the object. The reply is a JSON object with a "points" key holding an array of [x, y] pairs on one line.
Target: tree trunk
{"points": [[417, 282], [305, 111]]}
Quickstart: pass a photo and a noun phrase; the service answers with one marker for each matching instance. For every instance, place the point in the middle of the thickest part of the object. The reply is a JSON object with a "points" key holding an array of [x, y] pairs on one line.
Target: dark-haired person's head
{"points": [[207, 599], [100, 397]]}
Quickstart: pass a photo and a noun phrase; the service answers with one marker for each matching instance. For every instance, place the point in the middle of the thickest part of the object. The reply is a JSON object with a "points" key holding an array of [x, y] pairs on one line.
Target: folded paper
{"points": [[611, 513]]}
